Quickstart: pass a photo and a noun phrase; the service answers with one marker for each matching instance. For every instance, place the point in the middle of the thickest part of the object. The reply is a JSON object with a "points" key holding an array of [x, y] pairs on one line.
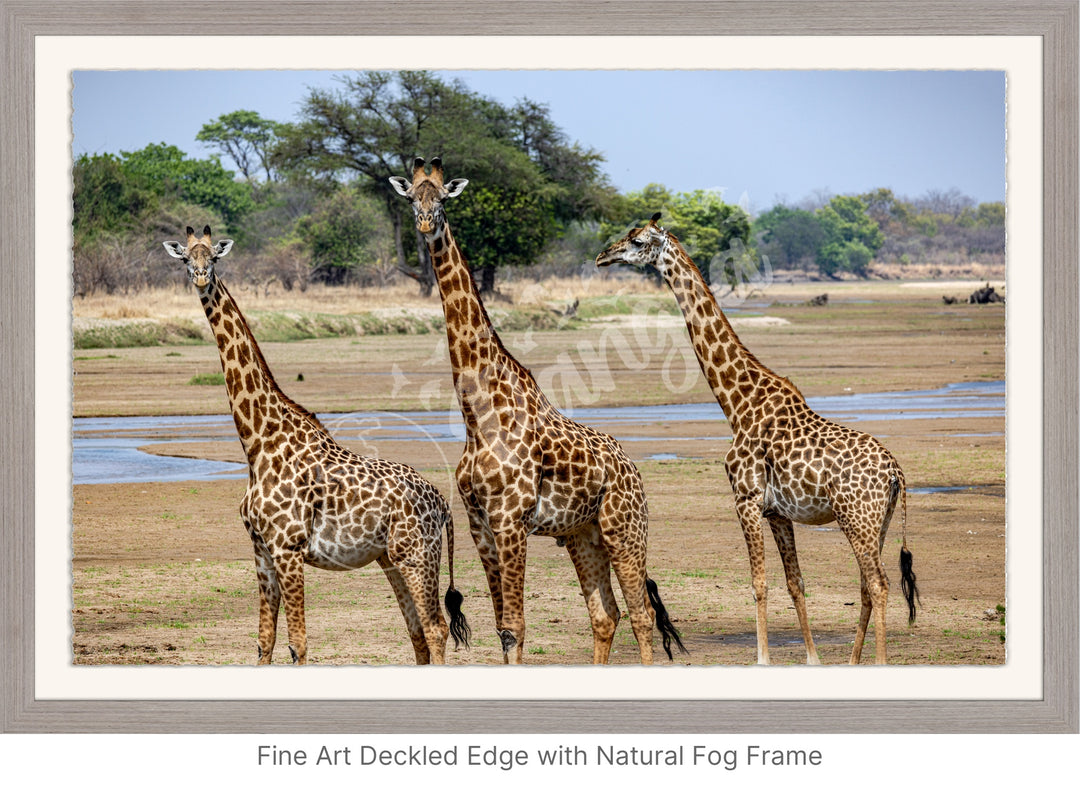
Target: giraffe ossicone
{"points": [[311, 501], [786, 463], [529, 470]]}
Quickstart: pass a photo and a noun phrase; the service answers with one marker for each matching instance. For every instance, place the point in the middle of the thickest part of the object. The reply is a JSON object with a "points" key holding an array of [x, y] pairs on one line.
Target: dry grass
{"points": [[181, 301]]}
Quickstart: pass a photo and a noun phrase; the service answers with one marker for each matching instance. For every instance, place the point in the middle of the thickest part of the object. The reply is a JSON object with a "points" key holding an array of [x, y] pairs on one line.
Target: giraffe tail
{"points": [[663, 621], [907, 574], [459, 627]]}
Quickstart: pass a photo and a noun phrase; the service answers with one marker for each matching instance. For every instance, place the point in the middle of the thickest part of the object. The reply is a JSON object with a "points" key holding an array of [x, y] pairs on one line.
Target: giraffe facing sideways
{"points": [[529, 470], [786, 463], [311, 501]]}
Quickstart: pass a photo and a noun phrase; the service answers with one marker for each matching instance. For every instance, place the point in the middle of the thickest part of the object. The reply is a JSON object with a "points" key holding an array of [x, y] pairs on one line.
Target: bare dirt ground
{"points": [[163, 573]]}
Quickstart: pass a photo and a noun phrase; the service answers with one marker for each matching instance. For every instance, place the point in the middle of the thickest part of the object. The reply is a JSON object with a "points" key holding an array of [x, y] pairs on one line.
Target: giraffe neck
{"points": [[478, 359], [259, 408], [732, 371]]}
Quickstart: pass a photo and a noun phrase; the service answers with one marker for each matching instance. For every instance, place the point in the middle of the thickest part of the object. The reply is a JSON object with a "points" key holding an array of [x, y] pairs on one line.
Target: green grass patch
{"points": [[136, 333], [609, 306], [208, 379]]}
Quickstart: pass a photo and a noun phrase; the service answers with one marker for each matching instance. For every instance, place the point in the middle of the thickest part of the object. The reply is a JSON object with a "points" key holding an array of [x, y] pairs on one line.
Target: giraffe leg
{"points": [[748, 508], [624, 539], [784, 534], [510, 543], [484, 540], [594, 575], [864, 621], [290, 571], [269, 603], [863, 534], [408, 610], [418, 562]]}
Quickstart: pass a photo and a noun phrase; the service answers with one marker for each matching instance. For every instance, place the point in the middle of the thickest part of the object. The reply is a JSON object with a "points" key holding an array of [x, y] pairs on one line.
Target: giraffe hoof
{"points": [[508, 640]]}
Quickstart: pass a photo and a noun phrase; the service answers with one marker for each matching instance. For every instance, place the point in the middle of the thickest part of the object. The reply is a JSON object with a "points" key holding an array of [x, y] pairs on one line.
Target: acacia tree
{"points": [[378, 122], [245, 137], [372, 128]]}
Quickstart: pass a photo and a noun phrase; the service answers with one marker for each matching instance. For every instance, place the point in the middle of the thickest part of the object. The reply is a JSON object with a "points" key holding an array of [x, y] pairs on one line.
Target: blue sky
{"points": [[761, 136]]}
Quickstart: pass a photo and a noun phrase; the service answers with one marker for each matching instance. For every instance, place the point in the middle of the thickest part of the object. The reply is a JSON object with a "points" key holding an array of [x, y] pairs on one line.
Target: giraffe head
{"points": [[426, 194], [640, 247], [199, 254]]}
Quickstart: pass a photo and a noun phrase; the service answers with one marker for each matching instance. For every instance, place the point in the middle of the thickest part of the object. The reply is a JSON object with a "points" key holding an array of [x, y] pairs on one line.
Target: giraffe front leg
{"points": [[784, 534], [290, 571], [748, 508], [484, 540], [269, 604], [510, 546]]}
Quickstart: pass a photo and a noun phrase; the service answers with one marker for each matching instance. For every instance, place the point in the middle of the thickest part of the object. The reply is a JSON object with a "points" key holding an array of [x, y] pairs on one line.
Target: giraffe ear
{"points": [[456, 187], [175, 249], [222, 247], [401, 186]]}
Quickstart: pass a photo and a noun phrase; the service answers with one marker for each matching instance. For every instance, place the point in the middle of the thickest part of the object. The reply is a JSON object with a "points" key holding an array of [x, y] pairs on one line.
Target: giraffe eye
{"points": [[637, 243]]}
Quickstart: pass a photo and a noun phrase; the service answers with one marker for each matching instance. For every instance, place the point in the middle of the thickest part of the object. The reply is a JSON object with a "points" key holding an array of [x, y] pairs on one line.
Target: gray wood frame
{"points": [[1056, 21]]}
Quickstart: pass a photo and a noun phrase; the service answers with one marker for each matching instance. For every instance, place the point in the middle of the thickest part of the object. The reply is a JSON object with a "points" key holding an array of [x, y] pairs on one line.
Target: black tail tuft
{"points": [[907, 583], [459, 627], [663, 622]]}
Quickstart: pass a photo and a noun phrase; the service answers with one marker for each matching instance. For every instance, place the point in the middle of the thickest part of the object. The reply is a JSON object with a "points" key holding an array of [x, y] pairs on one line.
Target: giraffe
{"points": [[527, 469], [311, 501], [786, 463]]}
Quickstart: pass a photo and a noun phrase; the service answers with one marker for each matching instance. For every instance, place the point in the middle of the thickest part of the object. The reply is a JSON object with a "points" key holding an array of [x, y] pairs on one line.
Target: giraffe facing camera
{"points": [[311, 501], [528, 470]]}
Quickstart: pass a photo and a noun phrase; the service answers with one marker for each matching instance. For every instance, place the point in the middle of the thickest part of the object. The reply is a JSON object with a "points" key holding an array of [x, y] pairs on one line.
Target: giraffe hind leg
{"points": [[864, 622], [625, 541], [865, 542], [409, 610], [594, 574], [784, 534]]}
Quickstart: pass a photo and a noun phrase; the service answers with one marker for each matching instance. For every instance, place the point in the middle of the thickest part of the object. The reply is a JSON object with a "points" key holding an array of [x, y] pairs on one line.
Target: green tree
{"points": [[851, 237], [339, 235], [491, 242], [377, 122], [245, 137], [372, 128], [171, 174], [105, 198], [990, 214], [789, 236]]}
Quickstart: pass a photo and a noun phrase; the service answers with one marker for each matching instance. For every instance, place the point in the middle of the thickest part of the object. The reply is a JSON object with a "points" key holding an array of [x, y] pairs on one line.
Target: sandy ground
{"points": [[163, 572]]}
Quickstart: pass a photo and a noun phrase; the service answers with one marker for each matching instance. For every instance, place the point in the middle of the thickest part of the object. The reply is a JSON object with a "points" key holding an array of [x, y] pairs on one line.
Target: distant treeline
{"points": [[309, 201]]}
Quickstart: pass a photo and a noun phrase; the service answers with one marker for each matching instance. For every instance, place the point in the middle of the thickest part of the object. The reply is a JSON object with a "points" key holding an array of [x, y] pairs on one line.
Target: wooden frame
{"points": [[1055, 21]]}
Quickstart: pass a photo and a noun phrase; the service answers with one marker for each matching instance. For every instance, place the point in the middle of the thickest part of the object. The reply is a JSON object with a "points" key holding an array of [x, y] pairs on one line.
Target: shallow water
{"points": [[106, 450]]}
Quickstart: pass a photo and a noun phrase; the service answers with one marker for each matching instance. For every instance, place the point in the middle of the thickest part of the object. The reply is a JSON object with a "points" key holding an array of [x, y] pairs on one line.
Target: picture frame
{"points": [[1055, 21]]}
